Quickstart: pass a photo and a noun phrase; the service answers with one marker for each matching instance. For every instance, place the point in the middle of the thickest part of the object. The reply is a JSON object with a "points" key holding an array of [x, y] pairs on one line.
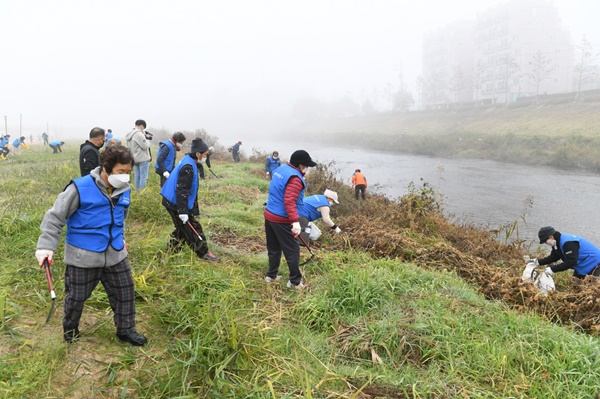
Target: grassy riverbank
{"points": [[563, 135], [401, 304]]}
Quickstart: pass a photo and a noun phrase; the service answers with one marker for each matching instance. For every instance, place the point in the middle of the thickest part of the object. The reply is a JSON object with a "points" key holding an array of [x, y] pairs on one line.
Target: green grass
{"points": [[383, 327]]}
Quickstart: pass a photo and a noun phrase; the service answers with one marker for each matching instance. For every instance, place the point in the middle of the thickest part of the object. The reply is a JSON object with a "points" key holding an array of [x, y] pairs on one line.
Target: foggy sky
{"points": [[231, 67]]}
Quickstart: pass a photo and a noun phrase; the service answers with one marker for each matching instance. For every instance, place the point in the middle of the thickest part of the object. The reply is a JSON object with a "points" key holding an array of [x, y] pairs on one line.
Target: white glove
{"points": [[338, 230], [268, 173], [166, 174], [548, 271], [184, 218], [296, 228], [42, 254], [307, 230]]}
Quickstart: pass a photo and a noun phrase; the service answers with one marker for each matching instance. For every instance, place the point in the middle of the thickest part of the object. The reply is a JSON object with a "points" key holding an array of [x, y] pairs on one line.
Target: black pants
{"points": [[359, 188], [280, 239], [184, 234]]}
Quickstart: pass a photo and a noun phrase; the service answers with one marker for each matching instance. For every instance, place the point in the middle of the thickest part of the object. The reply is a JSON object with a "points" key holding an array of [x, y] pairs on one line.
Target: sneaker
{"points": [[298, 287], [210, 257], [269, 279]]}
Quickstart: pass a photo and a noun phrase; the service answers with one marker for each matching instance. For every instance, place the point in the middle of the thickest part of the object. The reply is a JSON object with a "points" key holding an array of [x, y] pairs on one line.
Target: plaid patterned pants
{"points": [[118, 284]]}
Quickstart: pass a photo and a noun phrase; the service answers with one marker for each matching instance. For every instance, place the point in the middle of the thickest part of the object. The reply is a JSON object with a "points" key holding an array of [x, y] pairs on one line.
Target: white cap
{"points": [[331, 195]]}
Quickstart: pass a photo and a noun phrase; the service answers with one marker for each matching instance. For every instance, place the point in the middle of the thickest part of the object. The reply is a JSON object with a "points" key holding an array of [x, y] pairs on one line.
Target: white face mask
{"points": [[178, 145], [203, 160], [275, 157], [118, 181], [551, 242]]}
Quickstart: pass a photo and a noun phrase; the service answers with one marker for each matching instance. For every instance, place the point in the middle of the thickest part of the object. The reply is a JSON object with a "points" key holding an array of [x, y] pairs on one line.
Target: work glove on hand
{"points": [[268, 174], [184, 218], [548, 271], [338, 230], [166, 174], [296, 228], [42, 254]]}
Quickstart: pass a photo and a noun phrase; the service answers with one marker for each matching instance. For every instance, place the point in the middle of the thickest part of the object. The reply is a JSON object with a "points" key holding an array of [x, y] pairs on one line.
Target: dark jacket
{"points": [[183, 178], [89, 157]]}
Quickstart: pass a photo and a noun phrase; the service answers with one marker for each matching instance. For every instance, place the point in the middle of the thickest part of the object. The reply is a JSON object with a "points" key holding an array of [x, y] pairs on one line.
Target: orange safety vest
{"points": [[359, 178]]}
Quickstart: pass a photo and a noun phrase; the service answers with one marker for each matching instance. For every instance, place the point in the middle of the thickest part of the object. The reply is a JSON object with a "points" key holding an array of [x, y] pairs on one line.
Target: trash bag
{"points": [[315, 232], [541, 280]]}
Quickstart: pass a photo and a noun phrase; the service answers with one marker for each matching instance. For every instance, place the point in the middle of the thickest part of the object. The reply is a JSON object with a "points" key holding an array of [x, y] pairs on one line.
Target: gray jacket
{"points": [[55, 219], [139, 146]]}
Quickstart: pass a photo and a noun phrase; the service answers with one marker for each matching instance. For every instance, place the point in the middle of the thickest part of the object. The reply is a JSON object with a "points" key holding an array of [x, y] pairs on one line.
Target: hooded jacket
{"points": [[139, 146]]}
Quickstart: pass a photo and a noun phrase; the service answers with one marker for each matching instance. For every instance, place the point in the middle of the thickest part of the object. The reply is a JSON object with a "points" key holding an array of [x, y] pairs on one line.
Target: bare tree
{"points": [[434, 87], [420, 83], [509, 69], [457, 82], [586, 59], [541, 69], [477, 78]]}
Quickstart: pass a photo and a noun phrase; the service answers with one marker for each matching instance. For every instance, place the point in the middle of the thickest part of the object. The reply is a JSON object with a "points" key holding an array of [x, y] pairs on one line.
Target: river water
{"points": [[485, 193]]}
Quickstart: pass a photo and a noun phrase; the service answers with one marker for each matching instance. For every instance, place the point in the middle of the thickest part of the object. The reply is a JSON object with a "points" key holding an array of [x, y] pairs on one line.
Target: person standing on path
{"points": [[94, 208], [138, 143], [272, 163], [282, 217], [89, 152], [359, 184], [180, 198], [235, 151], [167, 154]]}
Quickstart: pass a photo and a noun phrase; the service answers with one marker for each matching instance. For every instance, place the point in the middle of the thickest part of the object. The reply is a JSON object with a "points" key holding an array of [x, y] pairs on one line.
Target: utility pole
{"points": [[5, 125], [20, 125]]}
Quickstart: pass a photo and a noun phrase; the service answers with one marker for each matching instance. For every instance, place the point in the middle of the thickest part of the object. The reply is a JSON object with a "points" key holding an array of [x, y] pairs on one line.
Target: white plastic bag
{"points": [[542, 281], [315, 232]]}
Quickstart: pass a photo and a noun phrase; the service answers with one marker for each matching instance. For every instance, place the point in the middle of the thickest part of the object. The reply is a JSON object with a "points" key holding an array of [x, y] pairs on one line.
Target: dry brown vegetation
{"points": [[414, 230]]}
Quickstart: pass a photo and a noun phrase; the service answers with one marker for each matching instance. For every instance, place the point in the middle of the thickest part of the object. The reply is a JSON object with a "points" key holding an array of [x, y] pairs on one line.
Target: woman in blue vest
{"points": [[180, 198], [272, 163], [576, 253], [167, 153], [56, 146], [317, 207], [19, 141], [94, 208], [282, 217], [4, 146]]}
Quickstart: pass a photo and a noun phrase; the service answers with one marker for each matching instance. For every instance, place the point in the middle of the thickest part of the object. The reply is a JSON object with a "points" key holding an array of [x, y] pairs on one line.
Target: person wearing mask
{"points": [[282, 217], [211, 150], [180, 198], [94, 208], [359, 184], [575, 252], [167, 154], [56, 146], [272, 163], [89, 152], [139, 144], [235, 151], [317, 207]]}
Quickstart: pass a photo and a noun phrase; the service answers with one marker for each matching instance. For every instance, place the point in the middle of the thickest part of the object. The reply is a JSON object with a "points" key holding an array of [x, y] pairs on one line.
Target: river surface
{"points": [[480, 192]]}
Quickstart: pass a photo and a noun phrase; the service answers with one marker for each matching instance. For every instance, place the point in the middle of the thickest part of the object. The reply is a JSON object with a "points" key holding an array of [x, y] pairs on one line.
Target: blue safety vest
{"points": [[280, 179], [97, 223], [3, 142], [169, 190], [273, 164], [589, 254], [55, 143], [169, 160], [309, 210], [17, 142]]}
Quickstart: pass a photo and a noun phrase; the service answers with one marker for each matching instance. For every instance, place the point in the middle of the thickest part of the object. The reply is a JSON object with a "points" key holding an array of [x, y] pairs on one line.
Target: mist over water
{"points": [[481, 192]]}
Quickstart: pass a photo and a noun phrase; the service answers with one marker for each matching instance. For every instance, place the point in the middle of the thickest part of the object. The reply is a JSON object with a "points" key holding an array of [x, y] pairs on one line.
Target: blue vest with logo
{"points": [[280, 179], [17, 142], [589, 254], [272, 164], [3, 142], [97, 223], [309, 210], [170, 158], [169, 190], [54, 143]]}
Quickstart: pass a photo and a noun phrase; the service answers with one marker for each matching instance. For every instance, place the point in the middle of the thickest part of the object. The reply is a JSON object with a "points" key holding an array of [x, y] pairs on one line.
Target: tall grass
{"points": [[382, 327]]}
